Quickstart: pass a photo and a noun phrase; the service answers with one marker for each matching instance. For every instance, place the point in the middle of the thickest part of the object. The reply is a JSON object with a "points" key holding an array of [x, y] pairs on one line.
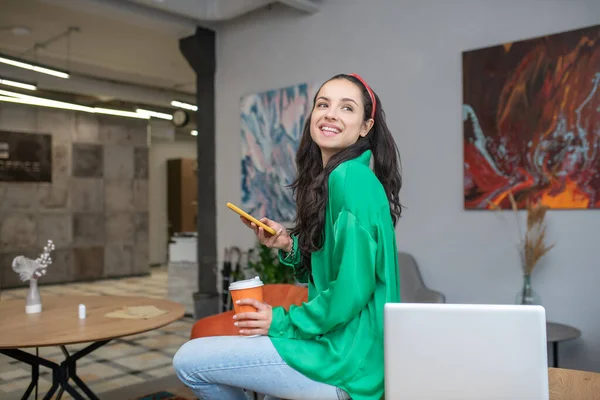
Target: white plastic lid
{"points": [[246, 284]]}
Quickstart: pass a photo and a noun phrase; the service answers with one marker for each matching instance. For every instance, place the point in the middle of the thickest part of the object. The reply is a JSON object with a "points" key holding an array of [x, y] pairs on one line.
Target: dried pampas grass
{"points": [[533, 244]]}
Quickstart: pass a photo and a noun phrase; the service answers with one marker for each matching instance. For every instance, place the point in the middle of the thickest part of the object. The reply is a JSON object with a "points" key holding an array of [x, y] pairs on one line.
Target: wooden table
{"points": [[568, 384], [58, 325]]}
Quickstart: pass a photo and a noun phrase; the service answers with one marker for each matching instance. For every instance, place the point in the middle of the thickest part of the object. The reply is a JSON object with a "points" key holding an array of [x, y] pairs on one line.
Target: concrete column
{"points": [[199, 51]]}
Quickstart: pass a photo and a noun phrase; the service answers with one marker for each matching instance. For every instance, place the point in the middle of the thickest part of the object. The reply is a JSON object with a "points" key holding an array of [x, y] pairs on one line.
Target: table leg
{"points": [[71, 365], [60, 382], [54, 387], [35, 374], [61, 373], [555, 354], [32, 360]]}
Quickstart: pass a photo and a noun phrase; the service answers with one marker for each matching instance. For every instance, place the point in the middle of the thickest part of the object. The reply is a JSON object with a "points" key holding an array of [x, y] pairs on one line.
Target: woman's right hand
{"points": [[280, 240]]}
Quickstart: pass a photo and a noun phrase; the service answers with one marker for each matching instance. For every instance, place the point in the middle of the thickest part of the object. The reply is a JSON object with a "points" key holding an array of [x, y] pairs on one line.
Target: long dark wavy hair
{"points": [[311, 184]]}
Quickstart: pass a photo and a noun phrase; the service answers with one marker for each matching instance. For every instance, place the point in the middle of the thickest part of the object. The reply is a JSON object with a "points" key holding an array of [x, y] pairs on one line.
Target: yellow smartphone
{"points": [[251, 218]]}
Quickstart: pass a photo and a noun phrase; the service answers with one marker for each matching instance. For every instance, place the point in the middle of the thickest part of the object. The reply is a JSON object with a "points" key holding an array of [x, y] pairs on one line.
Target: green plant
{"points": [[265, 262]]}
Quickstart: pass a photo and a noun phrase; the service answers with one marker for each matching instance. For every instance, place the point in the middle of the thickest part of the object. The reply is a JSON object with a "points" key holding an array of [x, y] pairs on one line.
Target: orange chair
{"points": [[279, 294]]}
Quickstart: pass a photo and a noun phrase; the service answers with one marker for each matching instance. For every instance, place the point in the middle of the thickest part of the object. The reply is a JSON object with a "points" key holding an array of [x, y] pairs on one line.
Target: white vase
{"points": [[33, 302]]}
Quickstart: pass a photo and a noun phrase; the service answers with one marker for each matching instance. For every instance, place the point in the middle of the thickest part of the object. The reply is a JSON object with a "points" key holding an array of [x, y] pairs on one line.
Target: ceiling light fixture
{"points": [[16, 84], [194, 133], [120, 113], [155, 114], [13, 97], [33, 67], [186, 106], [49, 103], [20, 30]]}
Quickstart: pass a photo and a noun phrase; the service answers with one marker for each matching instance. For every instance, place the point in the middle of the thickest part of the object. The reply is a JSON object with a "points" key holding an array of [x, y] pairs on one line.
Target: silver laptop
{"points": [[465, 351]]}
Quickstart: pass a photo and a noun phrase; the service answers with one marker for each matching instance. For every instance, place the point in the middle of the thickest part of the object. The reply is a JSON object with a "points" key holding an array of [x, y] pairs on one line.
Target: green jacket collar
{"points": [[365, 158]]}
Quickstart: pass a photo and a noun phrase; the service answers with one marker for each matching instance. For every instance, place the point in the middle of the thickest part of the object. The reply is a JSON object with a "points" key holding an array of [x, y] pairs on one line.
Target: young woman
{"points": [[343, 245]]}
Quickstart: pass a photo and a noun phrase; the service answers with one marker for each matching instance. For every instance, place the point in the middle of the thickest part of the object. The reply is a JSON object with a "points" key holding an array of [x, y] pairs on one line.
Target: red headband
{"points": [[371, 94]]}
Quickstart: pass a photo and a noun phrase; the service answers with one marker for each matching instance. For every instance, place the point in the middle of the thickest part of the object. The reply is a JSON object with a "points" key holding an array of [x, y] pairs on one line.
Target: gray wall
{"points": [[410, 52], [96, 208]]}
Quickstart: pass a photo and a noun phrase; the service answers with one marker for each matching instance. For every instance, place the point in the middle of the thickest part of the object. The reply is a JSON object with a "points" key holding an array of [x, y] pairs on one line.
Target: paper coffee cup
{"points": [[246, 289]]}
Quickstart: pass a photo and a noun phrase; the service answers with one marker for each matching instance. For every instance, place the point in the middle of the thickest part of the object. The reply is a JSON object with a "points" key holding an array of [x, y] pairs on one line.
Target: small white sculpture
{"points": [[31, 270]]}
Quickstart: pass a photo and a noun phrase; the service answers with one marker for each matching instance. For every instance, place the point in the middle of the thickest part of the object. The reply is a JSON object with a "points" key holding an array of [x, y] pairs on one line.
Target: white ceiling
{"points": [[129, 41], [141, 50]]}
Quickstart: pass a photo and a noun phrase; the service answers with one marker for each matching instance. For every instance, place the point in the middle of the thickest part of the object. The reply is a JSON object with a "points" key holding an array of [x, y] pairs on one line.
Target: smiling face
{"points": [[338, 117]]}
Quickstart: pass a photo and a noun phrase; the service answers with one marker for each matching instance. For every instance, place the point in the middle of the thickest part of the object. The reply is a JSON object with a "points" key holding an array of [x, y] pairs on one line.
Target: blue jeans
{"points": [[221, 367]]}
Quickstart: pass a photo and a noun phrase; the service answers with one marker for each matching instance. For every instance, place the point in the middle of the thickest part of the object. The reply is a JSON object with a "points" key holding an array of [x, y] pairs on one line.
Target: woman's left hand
{"points": [[254, 323]]}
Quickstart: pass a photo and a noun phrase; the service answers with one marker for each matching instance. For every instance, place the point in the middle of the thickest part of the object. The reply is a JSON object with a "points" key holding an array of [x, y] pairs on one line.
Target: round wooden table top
{"points": [[59, 324], [569, 384]]}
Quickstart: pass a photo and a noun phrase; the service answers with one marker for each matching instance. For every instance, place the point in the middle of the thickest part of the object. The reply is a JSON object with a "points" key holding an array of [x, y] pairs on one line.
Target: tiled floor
{"points": [[122, 362]]}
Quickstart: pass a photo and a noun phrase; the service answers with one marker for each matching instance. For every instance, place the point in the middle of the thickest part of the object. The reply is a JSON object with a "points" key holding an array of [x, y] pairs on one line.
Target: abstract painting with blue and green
{"points": [[272, 123]]}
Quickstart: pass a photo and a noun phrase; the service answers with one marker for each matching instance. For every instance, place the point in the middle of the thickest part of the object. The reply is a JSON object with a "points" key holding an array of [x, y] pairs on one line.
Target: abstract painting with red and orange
{"points": [[531, 122]]}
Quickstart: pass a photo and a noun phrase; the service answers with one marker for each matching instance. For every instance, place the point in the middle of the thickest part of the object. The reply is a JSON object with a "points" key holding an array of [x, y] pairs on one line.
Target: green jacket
{"points": [[336, 337]]}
